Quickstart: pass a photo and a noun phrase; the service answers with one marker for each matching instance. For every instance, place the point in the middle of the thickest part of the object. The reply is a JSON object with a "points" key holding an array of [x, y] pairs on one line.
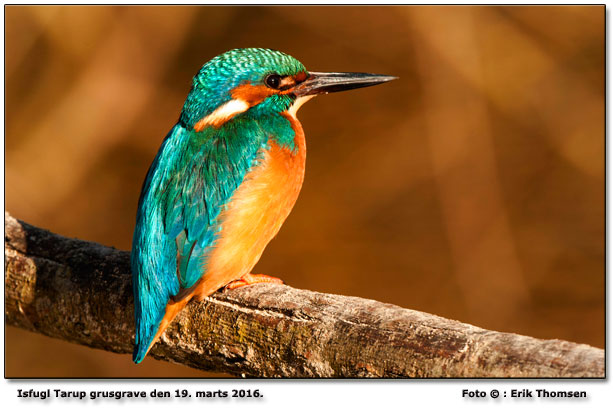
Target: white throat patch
{"points": [[297, 104]]}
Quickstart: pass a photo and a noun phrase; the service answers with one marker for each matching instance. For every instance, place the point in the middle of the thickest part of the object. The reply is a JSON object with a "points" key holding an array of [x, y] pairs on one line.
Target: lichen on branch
{"points": [[81, 292]]}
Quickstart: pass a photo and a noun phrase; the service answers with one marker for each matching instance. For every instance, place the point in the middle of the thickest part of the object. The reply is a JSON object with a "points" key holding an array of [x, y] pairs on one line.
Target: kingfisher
{"points": [[223, 182]]}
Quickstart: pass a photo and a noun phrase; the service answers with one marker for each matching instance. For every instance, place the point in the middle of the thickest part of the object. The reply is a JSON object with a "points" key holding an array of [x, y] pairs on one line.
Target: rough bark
{"points": [[81, 292]]}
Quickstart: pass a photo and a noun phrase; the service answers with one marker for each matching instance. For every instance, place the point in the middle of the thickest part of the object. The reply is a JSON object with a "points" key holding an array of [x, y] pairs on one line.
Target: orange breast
{"points": [[255, 214]]}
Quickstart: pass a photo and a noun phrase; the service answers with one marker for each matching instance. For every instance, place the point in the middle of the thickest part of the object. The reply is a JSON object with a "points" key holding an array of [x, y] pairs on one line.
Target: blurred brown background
{"points": [[471, 188]]}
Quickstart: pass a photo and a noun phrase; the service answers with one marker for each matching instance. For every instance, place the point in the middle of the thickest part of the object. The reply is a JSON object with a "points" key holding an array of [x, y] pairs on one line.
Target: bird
{"points": [[224, 180]]}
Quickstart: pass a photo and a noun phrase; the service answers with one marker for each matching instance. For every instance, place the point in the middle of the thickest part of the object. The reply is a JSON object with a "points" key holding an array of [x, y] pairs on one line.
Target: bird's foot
{"points": [[249, 279]]}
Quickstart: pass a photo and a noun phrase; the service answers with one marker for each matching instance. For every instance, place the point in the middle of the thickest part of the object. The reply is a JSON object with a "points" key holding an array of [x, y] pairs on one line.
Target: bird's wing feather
{"points": [[191, 179]]}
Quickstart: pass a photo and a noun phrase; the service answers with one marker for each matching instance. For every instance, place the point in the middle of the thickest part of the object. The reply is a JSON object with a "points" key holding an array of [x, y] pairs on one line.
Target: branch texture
{"points": [[81, 292]]}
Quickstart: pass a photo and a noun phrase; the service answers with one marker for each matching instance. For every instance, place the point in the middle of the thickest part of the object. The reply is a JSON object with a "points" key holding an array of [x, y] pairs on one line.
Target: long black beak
{"points": [[325, 82]]}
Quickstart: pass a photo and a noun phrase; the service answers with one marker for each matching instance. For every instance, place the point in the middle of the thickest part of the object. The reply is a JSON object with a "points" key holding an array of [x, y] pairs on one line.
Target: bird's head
{"points": [[261, 82]]}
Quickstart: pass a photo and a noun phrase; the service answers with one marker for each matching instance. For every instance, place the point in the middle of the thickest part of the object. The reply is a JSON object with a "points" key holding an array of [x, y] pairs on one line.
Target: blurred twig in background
{"points": [[93, 114], [463, 158]]}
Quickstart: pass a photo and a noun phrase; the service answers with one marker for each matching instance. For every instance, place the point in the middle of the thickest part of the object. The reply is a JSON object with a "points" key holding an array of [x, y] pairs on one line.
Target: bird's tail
{"points": [[172, 309]]}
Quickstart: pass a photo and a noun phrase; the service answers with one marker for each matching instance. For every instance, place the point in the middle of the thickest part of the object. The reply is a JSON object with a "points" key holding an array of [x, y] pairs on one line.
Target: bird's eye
{"points": [[273, 81]]}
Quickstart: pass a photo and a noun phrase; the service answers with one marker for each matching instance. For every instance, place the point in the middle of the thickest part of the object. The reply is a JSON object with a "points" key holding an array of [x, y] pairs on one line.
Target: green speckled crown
{"points": [[212, 85]]}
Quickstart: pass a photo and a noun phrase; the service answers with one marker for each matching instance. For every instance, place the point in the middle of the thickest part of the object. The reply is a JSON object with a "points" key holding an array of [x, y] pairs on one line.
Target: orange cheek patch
{"points": [[301, 76], [287, 82], [252, 94]]}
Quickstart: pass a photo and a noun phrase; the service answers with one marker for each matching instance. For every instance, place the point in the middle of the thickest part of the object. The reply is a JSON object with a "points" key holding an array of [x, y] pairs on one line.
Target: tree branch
{"points": [[81, 292]]}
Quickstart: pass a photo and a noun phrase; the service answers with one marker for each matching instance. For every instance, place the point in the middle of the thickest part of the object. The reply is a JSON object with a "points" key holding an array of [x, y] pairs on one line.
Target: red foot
{"points": [[249, 279]]}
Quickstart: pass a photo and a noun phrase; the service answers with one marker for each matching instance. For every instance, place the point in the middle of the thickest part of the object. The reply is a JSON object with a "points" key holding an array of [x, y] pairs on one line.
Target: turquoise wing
{"points": [[190, 180]]}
